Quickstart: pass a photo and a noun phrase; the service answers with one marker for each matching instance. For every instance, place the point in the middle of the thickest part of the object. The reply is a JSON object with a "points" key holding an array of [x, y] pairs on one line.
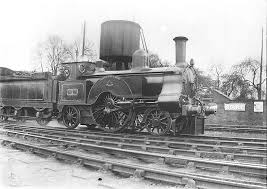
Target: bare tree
{"points": [[217, 70], [74, 51], [249, 71], [155, 61], [203, 80], [39, 58], [233, 85], [52, 52]]}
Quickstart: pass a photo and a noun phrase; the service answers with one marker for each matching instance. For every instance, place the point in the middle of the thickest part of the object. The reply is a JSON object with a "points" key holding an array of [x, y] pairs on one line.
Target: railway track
{"points": [[236, 150], [255, 170], [152, 149], [154, 146], [136, 169], [144, 135], [236, 128]]}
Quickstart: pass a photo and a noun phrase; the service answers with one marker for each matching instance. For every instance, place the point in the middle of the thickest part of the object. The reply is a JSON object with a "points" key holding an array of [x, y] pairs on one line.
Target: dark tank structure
{"points": [[158, 100], [118, 41]]}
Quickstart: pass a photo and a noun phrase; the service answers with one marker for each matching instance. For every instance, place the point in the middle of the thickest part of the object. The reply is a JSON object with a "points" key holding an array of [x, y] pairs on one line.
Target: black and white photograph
{"points": [[163, 94]]}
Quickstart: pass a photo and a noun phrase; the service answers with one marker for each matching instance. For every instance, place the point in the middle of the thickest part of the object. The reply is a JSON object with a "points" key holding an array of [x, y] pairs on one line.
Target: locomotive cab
{"points": [[74, 70]]}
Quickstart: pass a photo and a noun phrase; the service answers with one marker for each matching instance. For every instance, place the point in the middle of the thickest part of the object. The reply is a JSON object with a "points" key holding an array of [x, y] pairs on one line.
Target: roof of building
{"points": [[221, 93]]}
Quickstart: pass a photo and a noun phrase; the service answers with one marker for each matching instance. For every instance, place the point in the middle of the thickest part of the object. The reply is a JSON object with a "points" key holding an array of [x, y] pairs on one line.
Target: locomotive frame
{"points": [[145, 98]]}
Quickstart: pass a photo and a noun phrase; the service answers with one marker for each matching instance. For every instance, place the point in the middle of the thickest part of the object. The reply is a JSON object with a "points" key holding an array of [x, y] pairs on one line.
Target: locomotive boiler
{"points": [[160, 100]]}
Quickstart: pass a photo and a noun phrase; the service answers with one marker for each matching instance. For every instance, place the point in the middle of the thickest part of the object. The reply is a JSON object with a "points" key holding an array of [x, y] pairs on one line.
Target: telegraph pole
{"points": [[83, 39], [261, 62]]}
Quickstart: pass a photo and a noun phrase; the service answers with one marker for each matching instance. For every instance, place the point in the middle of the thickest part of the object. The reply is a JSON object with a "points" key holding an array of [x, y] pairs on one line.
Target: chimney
{"points": [[180, 50]]}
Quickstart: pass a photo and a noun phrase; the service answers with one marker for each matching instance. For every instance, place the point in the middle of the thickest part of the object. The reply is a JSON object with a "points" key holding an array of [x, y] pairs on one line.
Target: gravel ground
{"points": [[24, 170]]}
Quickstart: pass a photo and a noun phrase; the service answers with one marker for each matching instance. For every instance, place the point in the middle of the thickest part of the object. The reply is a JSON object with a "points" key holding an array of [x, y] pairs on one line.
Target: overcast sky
{"points": [[219, 31]]}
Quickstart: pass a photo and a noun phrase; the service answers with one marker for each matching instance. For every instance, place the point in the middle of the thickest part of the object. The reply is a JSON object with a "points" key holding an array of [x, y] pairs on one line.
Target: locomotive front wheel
{"points": [[109, 115], [71, 117], [157, 122]]}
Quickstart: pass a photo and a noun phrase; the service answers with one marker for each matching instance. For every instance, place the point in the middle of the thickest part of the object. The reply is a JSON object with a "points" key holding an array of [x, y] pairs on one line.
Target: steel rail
{"points": [[236, 126], [255, 170], [147, 135], [144, 134], [216, 152], [237, 130], [232, 141], [150, 147], [211, 146], [137, 170]]}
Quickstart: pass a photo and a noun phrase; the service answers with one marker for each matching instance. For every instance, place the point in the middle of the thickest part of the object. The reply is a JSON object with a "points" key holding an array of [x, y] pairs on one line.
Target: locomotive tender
{"points": [[160, 100]]}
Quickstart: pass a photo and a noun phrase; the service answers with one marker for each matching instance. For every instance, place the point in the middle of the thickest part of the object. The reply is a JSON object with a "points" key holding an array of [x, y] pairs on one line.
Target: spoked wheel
{"points": [[3, 118], [43, 121], [109, 115], [157, 122], [71, 117], [180, 123]]}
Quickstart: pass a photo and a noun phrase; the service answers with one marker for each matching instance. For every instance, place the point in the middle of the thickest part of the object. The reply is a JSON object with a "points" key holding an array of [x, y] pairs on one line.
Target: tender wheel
{"points": [[157, 122], [42, 121], [109, 115], [22, 112], [71, 117], [3, 118]]}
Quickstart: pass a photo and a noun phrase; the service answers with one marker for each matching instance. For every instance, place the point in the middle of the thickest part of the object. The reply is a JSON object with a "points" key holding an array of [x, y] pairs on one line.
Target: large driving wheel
{"points": [[109, 115], [71, 117], [157, 122]]}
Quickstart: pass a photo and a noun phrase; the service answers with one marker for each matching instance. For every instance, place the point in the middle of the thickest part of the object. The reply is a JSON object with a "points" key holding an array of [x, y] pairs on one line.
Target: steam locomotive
{"points": [[161, 100]]}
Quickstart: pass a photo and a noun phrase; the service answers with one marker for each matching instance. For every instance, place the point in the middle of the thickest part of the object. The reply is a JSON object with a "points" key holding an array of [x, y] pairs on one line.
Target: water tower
{"points": [[119, 40]]}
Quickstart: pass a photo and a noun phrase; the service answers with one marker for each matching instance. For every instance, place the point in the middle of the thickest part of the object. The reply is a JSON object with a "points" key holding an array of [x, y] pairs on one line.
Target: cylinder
{"points": [[180, 50]]}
